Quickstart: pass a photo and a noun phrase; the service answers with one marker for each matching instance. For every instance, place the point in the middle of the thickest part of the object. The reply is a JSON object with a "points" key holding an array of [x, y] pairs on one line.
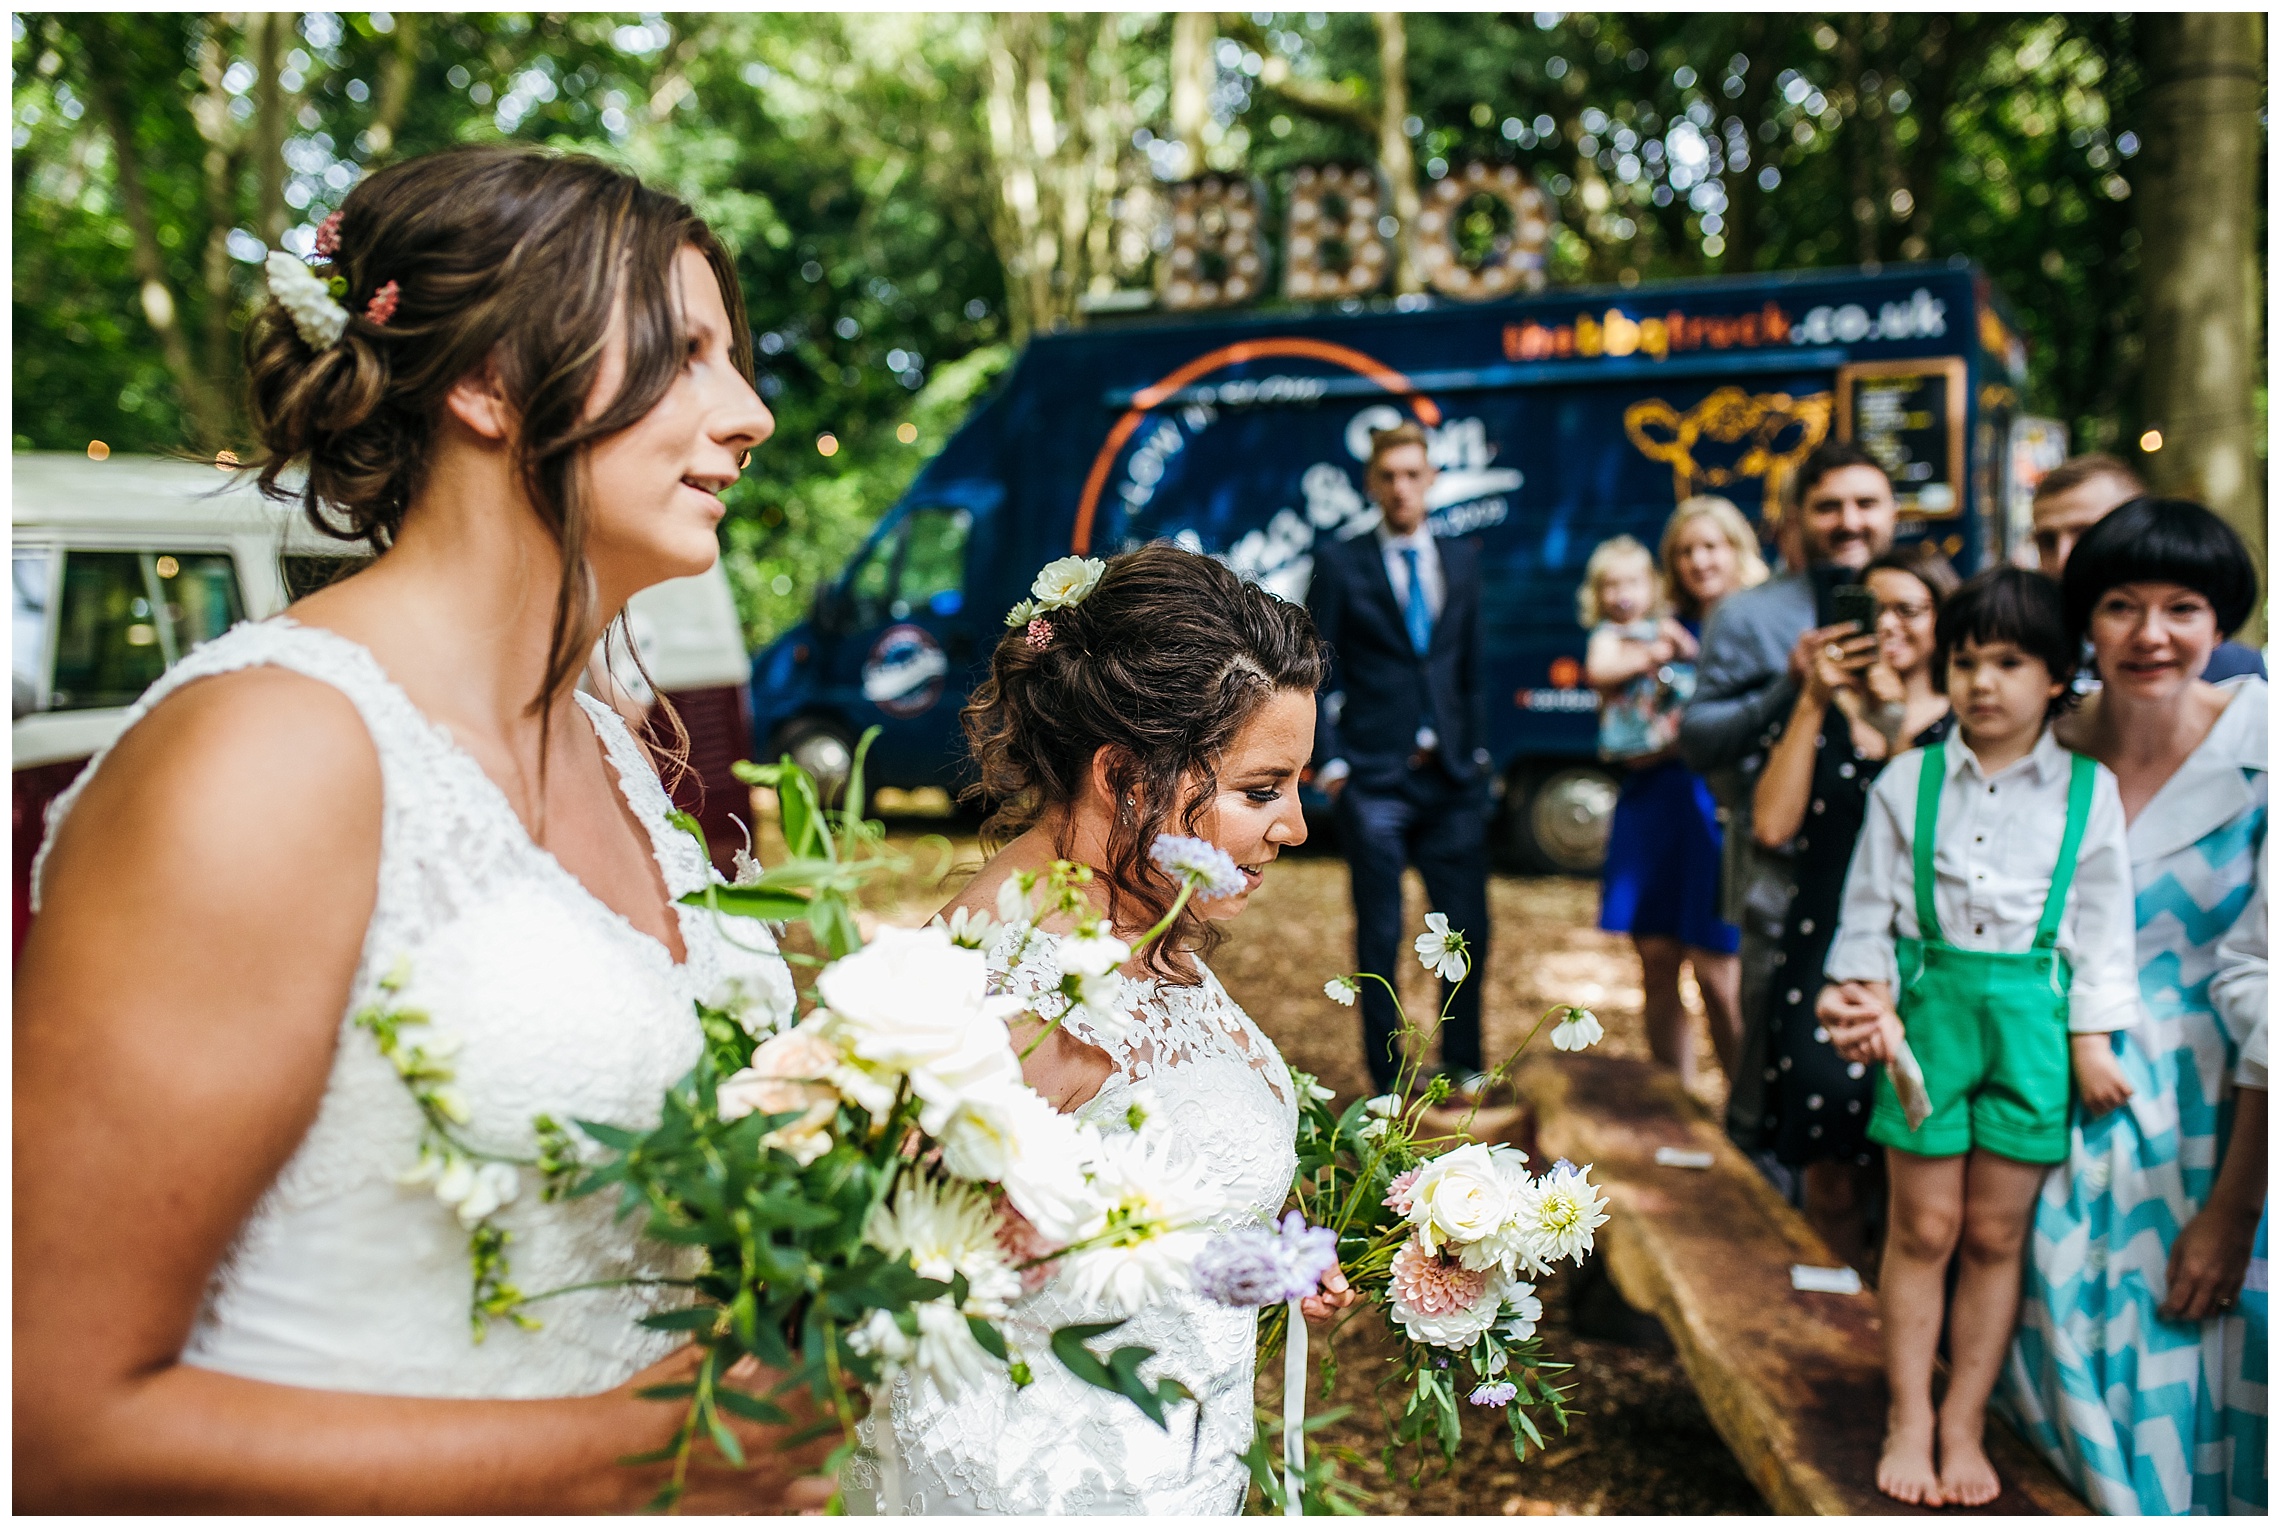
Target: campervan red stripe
{"points": [[1231, 355]]}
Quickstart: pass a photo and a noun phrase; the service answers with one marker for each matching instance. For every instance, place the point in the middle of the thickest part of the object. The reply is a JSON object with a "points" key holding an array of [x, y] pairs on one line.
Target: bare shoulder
{"points": [[254, 784]]}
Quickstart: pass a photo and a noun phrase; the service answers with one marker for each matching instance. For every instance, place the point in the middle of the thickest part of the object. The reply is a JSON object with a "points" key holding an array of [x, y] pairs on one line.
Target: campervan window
{"points": [[934, 563], [124, 616], [33, 592]]}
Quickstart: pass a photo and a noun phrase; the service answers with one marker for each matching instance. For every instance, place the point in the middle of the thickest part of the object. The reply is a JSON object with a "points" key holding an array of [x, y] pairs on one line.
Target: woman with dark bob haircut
{"points": [[385, 826], [2139, 1365], [1154, 694]]}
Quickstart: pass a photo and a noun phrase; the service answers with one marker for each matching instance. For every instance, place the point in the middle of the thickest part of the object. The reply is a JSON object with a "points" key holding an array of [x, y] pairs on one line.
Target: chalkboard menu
{"points": [[1909, 416]]}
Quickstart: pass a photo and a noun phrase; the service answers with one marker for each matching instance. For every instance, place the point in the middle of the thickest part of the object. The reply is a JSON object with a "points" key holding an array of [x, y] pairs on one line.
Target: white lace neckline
{"points": [[658, 830]]}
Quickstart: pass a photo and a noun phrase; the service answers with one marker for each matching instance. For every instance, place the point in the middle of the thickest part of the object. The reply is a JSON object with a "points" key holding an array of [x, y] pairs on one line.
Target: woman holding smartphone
{"points": [[1866, 698]]}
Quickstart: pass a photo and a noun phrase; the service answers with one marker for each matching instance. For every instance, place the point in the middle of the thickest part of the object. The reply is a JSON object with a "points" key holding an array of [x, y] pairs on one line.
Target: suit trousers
{"points": [[1431, 821], [1763, 904]]}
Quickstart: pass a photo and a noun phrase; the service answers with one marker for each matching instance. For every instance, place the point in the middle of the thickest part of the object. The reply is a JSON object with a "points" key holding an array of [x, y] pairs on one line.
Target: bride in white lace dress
{"points": [[227, 1297], [1173, 698]]}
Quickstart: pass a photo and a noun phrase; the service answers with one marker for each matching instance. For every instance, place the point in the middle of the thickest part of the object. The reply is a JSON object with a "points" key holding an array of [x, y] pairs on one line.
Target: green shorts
{"points": [[1989, 1030]]}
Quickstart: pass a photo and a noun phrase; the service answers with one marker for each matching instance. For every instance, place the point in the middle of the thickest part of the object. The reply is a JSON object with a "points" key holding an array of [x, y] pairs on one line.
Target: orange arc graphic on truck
{"points": [[1230, 355]]}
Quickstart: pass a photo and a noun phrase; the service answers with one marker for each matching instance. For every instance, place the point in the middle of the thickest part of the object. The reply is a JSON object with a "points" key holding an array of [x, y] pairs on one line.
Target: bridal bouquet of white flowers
{"points": [[1442, 1232], [874, 1184]]}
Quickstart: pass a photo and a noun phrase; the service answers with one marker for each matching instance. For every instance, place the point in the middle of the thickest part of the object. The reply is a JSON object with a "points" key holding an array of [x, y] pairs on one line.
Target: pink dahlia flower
{"points": [[1433, 1286]]}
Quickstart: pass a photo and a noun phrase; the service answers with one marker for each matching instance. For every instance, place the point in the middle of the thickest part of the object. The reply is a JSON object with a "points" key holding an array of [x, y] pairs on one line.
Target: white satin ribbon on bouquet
{"points": [[1294, 1411]]}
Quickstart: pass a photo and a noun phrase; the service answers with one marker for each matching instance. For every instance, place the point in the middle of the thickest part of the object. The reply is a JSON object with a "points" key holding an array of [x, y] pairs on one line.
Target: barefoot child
{"points": [[1991, 893]]}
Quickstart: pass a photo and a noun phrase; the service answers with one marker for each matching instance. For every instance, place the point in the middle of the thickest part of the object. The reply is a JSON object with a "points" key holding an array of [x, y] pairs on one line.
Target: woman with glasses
{"points": [[1866, 698]]}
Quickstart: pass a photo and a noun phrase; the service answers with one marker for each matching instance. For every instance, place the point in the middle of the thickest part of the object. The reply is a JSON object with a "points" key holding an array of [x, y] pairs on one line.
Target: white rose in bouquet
{"points": [[1462, 1196], [912, 1002]]}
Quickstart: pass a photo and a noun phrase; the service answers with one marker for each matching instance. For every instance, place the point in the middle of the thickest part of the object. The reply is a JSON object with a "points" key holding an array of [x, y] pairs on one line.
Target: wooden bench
{"points": [[1793, 1381]]}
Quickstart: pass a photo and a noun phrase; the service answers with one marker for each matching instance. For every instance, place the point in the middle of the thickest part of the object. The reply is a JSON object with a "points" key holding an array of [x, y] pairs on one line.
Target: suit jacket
{"points": [[1374, 701]]}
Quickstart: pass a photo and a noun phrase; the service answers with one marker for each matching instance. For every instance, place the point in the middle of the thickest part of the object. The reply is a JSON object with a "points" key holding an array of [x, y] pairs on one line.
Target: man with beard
{"points": [[1754, 655]]}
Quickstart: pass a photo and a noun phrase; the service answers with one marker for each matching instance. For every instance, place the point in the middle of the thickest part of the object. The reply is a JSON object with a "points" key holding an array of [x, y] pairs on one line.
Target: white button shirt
{"points": [[1419, 541], [1998, 845]]}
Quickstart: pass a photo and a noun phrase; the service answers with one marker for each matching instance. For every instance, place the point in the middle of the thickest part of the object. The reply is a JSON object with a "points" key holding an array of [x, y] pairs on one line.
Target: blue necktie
{"points": [[1419, 618]]}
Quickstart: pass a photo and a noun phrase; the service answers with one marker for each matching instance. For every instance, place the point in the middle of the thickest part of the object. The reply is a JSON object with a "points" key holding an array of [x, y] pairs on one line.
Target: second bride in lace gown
{"points": [[1170, 697]]}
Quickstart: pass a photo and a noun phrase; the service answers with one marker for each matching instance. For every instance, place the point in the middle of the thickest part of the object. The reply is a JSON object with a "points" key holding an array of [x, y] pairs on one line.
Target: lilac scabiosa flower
{"points": [[1498, 1394], [1258, 1265], [1210, 868]]}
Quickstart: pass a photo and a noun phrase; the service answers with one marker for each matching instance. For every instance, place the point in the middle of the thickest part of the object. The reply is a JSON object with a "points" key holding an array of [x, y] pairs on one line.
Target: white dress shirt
{"points": [[1998, 845], [1391, 547], [1419, 541]]}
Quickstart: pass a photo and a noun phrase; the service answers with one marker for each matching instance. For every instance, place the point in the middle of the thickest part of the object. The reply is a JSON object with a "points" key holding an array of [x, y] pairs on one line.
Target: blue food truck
{"points": [[1556, 421]]}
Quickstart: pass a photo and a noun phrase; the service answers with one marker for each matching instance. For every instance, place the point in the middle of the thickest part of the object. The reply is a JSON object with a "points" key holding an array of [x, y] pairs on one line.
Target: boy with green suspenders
{"points": [[1986, 953]]}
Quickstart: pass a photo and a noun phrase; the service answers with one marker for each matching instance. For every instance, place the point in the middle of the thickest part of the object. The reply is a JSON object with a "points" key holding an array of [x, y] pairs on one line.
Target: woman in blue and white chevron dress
{"points": [[2139, 1364]]}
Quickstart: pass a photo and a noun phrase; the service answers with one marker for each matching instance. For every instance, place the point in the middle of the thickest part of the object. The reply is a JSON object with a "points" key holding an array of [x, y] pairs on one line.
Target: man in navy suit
{"points": [[1399, 740]]}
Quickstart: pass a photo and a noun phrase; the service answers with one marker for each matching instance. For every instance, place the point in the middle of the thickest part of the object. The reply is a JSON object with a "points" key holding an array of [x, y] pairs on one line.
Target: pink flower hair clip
{"points": [[328, 236], [382, 307], [1039, 633]]}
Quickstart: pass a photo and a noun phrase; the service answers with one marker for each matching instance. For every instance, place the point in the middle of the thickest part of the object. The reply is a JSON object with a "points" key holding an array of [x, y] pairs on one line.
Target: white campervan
{"points": [[121, 566]]}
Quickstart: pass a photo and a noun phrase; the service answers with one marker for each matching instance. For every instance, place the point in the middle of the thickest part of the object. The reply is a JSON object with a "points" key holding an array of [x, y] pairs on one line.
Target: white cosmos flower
{"points": [[1093, 954], [913, 1003], [1441, 949], [1526, 1310], [972, 929], [1066, 581], [761, 1000], [1342, 990], [1578, 1031], [1460, 1197], [1013, 899], [1382, 1111]]}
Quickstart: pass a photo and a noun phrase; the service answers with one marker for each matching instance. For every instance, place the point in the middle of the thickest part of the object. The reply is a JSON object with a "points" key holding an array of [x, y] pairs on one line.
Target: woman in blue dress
{"points": [[1664, 845], [2139, 1365]]}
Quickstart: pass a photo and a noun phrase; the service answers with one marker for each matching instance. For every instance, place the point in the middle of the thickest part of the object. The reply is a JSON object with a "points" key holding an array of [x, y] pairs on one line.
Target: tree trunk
{"points": [[1193, 33], [2198, 184], [1394, 154], [269, 125], [202, 407], [395, 86]]}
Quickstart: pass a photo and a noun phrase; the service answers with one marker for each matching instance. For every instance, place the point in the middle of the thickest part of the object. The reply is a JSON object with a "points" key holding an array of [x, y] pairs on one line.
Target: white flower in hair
{"points": [[1066, 582], [306, 300]]}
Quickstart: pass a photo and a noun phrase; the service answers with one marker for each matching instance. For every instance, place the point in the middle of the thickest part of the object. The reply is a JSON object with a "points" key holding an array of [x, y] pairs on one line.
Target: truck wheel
{"points": [[1555, 819], [824, 749]]}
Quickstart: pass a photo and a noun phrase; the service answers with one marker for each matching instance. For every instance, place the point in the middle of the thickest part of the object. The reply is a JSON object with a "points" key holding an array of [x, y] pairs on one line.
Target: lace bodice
{"points": [[1059, 1446], [345, 1279]]}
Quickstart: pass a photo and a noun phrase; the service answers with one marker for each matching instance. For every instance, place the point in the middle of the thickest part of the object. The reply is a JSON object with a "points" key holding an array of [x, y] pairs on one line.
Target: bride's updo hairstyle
{"points": [[510, 255], [1162, 664]]}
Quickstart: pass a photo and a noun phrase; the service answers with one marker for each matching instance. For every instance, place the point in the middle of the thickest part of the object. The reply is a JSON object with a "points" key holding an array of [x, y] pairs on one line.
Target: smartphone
{"points": [[1853, 603]]}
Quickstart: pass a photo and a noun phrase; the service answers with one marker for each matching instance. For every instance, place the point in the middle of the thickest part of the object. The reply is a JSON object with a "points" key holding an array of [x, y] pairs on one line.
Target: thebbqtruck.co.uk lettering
{"points": [[1616, 333]]}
